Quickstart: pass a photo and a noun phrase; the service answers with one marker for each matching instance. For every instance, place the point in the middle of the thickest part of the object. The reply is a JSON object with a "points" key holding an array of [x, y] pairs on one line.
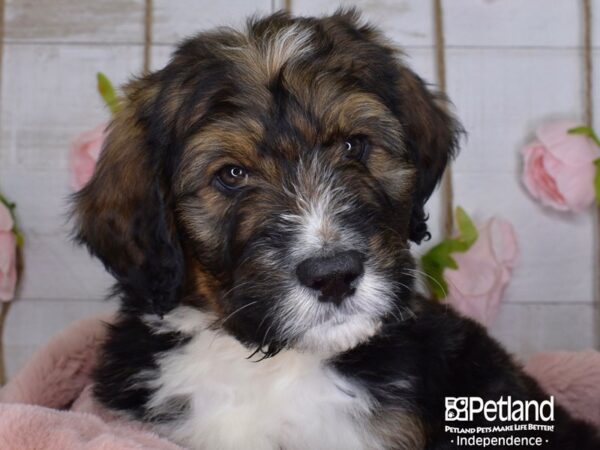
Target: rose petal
{"points": [[531, 152], [576, 184], [474, 307], [6, 220], [84, 155], [475, 275], [536, 178], [570, 149], [503, 240], [476, 288]]}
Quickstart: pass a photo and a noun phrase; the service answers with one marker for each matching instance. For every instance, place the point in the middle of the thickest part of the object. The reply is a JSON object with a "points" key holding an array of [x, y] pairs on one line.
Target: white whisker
{"points": [[237, 311], [420, 272]]}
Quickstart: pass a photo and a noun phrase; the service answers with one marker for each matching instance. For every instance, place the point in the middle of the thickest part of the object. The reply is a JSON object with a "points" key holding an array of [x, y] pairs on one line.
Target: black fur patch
{"points": [[128, 362]]}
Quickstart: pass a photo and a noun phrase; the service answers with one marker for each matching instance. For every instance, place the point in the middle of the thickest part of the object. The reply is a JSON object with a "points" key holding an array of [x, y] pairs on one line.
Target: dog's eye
{"points": [[356, 147], [232, 177]]}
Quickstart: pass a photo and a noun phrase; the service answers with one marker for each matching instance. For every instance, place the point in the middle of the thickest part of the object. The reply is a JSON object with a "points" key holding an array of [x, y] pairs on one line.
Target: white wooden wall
{"points": [[510, 65]]}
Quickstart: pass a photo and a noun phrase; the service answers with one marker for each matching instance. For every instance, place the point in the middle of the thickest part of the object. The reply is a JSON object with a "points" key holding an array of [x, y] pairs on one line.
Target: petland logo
{"points": [[464, 409]]}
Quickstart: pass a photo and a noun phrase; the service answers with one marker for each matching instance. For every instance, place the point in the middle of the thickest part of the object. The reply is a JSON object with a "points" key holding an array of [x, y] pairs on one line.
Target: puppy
{"points": [[255, 201]]}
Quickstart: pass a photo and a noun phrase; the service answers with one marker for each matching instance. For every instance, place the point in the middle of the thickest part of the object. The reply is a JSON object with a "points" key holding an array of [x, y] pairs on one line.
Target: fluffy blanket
{"points": [[48, 405]]}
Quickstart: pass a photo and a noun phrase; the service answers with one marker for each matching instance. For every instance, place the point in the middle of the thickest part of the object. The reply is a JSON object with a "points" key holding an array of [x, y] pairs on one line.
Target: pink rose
{"points": [[476, 287], [84, 154], [8, 255], [559, 167]]}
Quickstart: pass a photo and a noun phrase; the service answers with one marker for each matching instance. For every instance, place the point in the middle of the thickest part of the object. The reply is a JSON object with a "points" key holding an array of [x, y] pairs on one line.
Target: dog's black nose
{"points": [[333, 276]]}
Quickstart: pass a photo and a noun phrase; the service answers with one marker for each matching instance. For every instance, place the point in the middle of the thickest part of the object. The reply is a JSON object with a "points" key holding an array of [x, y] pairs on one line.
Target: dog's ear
{"points": [[432, 135], [124, 214]]}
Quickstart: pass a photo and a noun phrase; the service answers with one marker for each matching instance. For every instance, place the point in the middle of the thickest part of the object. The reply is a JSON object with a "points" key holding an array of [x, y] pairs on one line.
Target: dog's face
{"points": [[272, 178]]}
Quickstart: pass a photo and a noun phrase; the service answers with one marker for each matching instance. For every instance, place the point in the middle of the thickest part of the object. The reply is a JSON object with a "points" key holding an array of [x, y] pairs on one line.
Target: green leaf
{"points": [[586, 131], [20, 238], [466, 227], [439, 257], [107, 91], [597, 181]]}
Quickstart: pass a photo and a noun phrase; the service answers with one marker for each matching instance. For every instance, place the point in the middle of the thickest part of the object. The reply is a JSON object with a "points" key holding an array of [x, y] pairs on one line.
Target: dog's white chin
{"points": [[338, 334]]}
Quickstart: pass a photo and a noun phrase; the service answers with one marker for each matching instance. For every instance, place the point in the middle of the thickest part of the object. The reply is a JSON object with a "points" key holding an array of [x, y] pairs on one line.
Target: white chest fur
{"points": [[292, 401]]}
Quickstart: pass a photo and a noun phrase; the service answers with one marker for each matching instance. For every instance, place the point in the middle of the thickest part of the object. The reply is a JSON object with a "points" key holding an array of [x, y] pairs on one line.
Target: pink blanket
{"points": [[48, 405]]}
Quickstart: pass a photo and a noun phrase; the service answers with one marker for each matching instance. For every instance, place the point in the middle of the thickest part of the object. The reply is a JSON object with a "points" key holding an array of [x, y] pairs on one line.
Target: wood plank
{"points": [[161, 55], [407, 22], [514, 23], [502, 95], [174, 21], [43, 111], [527, 329], [469, 23], [61, 21], [596, 87], [55, 268], [41, 196]]}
